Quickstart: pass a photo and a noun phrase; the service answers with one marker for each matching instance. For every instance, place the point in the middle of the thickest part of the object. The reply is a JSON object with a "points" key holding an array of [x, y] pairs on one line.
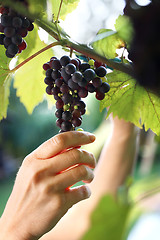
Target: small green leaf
{"points": [[108, 221], [5, 80], [37, 7], [124, 28], [108, 44], [67, 7], [29, 79], [132, 102]]}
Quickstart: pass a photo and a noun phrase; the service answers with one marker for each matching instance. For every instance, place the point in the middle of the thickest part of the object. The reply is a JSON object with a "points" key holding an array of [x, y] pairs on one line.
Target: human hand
{"points": [[42, 193]]}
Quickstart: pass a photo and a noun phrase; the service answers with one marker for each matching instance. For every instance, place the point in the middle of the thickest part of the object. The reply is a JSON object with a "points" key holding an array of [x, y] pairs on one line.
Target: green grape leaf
{"points": [[5, 80], [107, 45], [124, 28], [132, 102], [29, 79], [37, 7], [108, 221], [67, 7]]}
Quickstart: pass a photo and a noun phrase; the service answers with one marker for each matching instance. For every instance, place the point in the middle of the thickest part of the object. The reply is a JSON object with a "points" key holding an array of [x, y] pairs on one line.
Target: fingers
{"points": [[62, 142], [68, 178], [69, 159], [77, 194]]}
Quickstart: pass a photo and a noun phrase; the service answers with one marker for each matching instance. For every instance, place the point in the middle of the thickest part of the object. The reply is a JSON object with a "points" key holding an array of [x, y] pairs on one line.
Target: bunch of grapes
{"points": [[70, 80], [13, 28], [145, 46]]}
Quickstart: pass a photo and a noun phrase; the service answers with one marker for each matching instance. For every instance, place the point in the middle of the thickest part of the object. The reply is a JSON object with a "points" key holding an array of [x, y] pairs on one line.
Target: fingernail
{"points": [[92, 137]]}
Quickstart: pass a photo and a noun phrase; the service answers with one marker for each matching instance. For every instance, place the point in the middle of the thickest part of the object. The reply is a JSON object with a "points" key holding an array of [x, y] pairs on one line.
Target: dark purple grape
{"points": [[97, 82], [9, 55], [56, 64], [6, 21], [91, 88], [13, 49], [89, 74], [81, 105], [2, 36], [55, 90], [17, 39], [83, 93], [56, 97], [76, 122], [100, 95], [65, 76], [49, 89], [23, 32], [59, 104], [49, 72], [77, 77], [31, 27], [67, 98], [9, 31], [59, 82], [76, 113], [59, 112], [66, 126], [56, 74], [64, 88], [84, 66], [66, 115], [65, 60], [73, 85], [1, 28], [48, 81], [83, 83], [46, 66], [70, 68], [104, 88], [75, 62], [17, 22], [25, 23], [59, 122], [101, 71]]}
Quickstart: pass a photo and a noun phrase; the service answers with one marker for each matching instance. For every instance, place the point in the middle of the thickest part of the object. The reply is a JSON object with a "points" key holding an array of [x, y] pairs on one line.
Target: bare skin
{"points": [[41, 194]]}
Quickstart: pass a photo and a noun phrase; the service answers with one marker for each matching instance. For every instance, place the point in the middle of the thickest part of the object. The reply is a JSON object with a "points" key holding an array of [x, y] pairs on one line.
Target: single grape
{"points": [[73, 85], [104, 88], [9, 55], [76, 122], [77, 77], [83, 93], [6, 21], [97, 82], [17, 39], [48, 72], [46, 66], [100, 95], [59, 112], [48, 81], [101, 71], [59, 82], [84, 66], [17, 22], [31, 27], [67, 98], [64, 88], [55, 90], [23, 45], [66, 126], [12, 49], [66, 115], [59, 122], [81, 105], [56, 64], [59, 103], [76, 113], [70, 68], [23, 32], [65, 60], [25, 23], [49, 89], [75, 62], [56, 74], [65, 76], [9, 31], [89, 74]]}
